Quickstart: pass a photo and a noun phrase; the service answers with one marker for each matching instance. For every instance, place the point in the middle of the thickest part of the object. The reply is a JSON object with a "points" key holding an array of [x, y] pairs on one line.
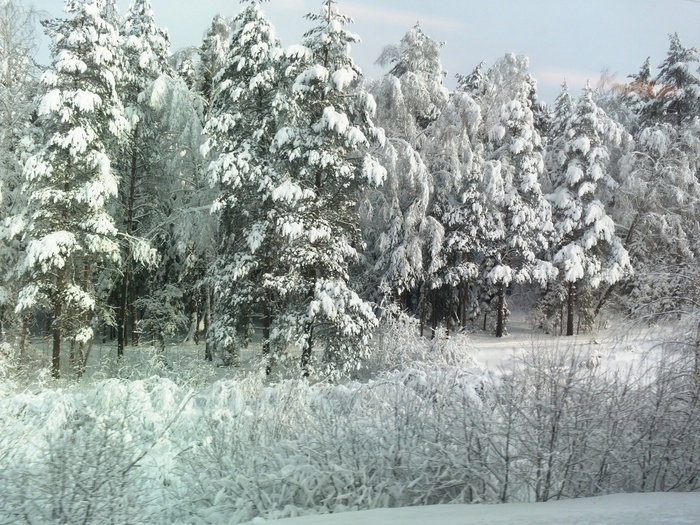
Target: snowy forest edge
{"points": [[242, 195]]}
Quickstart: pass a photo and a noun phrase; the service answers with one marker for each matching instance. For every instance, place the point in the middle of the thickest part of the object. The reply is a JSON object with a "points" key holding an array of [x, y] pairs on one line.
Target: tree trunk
{"points": [[306, 351], [80, 357], [697, 355], [208, 355], [121, 324], [129, 291], [267, 323], [56, 326], [434, 313], [133, 313], [570, 303], [24, 337], [500, 319]]}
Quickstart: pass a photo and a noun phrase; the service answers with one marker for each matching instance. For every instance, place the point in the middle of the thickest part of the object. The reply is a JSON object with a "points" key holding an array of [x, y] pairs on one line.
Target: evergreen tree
{"points": [[245, 117], [517, 153], [677, 97], [587, 253], [325, 164], [146, 53], [70, 234]]}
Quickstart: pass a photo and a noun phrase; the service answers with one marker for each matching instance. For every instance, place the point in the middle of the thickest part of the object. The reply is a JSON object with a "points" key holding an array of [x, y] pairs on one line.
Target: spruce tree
{"points": [[19, 85]]}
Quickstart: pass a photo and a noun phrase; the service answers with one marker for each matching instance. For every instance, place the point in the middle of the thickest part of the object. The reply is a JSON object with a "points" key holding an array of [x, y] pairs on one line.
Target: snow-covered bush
{"points": [[555, 426], [398, 344]]}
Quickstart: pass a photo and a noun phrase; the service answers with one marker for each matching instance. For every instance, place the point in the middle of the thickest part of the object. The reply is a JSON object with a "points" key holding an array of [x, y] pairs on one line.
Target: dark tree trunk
{"points": [[129, 290], [133, 313], [500, 319], [267, 323], [306, 351], [24, 337], [697, 355], [56, 326], [121, 324], [80, 358], [208, 354], [434, 315], [570, 303]]}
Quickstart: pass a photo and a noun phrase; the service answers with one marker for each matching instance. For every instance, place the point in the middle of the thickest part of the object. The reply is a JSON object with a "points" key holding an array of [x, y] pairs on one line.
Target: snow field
{"points": [[439, 429]]}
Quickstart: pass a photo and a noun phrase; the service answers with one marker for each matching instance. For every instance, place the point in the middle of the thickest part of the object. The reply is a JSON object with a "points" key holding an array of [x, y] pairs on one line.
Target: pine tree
{"points": [[677, 97], [588, 252], [517, 153], [146, 53], [70, 234], [245, 117], [324, 165]]}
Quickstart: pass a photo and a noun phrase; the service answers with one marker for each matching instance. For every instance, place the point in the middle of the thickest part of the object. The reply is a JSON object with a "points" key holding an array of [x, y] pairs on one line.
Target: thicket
{"points": [[153, 450]]}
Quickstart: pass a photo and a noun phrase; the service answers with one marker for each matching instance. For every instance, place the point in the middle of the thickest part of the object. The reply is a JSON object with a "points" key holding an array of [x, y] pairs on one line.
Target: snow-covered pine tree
{"points": [[515, 150], [245, 116], [146, 50], [587, 251], [19, 83], [562, 112], [324, 165], [677, 96], [462, 206], [70, 234]]}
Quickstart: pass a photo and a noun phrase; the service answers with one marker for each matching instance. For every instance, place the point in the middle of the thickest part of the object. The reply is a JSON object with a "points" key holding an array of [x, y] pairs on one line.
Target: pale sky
{"points": [[574, 40]]}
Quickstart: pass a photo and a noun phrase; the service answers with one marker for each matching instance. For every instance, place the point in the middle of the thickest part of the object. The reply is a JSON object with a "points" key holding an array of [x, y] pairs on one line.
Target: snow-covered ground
{"points": [[617, 509], [429, 422]]}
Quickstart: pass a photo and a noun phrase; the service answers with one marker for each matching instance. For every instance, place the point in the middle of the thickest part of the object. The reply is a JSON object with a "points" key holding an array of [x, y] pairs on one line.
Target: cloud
{"points": [[400, 17]]}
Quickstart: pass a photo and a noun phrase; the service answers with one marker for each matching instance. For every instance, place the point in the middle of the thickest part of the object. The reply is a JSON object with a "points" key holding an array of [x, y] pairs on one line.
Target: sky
{"points": [[572, 40]]}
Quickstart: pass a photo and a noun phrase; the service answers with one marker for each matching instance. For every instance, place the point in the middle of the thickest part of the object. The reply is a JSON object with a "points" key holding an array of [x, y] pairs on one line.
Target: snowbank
{"points": [[618, 509]]}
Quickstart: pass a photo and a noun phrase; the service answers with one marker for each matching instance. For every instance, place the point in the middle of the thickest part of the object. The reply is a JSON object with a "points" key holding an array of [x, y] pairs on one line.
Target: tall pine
{"points": [[245, 115], [70, 234], [325, 164]]}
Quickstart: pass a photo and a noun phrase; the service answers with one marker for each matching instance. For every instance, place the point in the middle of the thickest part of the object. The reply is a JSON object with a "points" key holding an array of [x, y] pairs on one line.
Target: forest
{"points": [[243, 187], [357, 237]]}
